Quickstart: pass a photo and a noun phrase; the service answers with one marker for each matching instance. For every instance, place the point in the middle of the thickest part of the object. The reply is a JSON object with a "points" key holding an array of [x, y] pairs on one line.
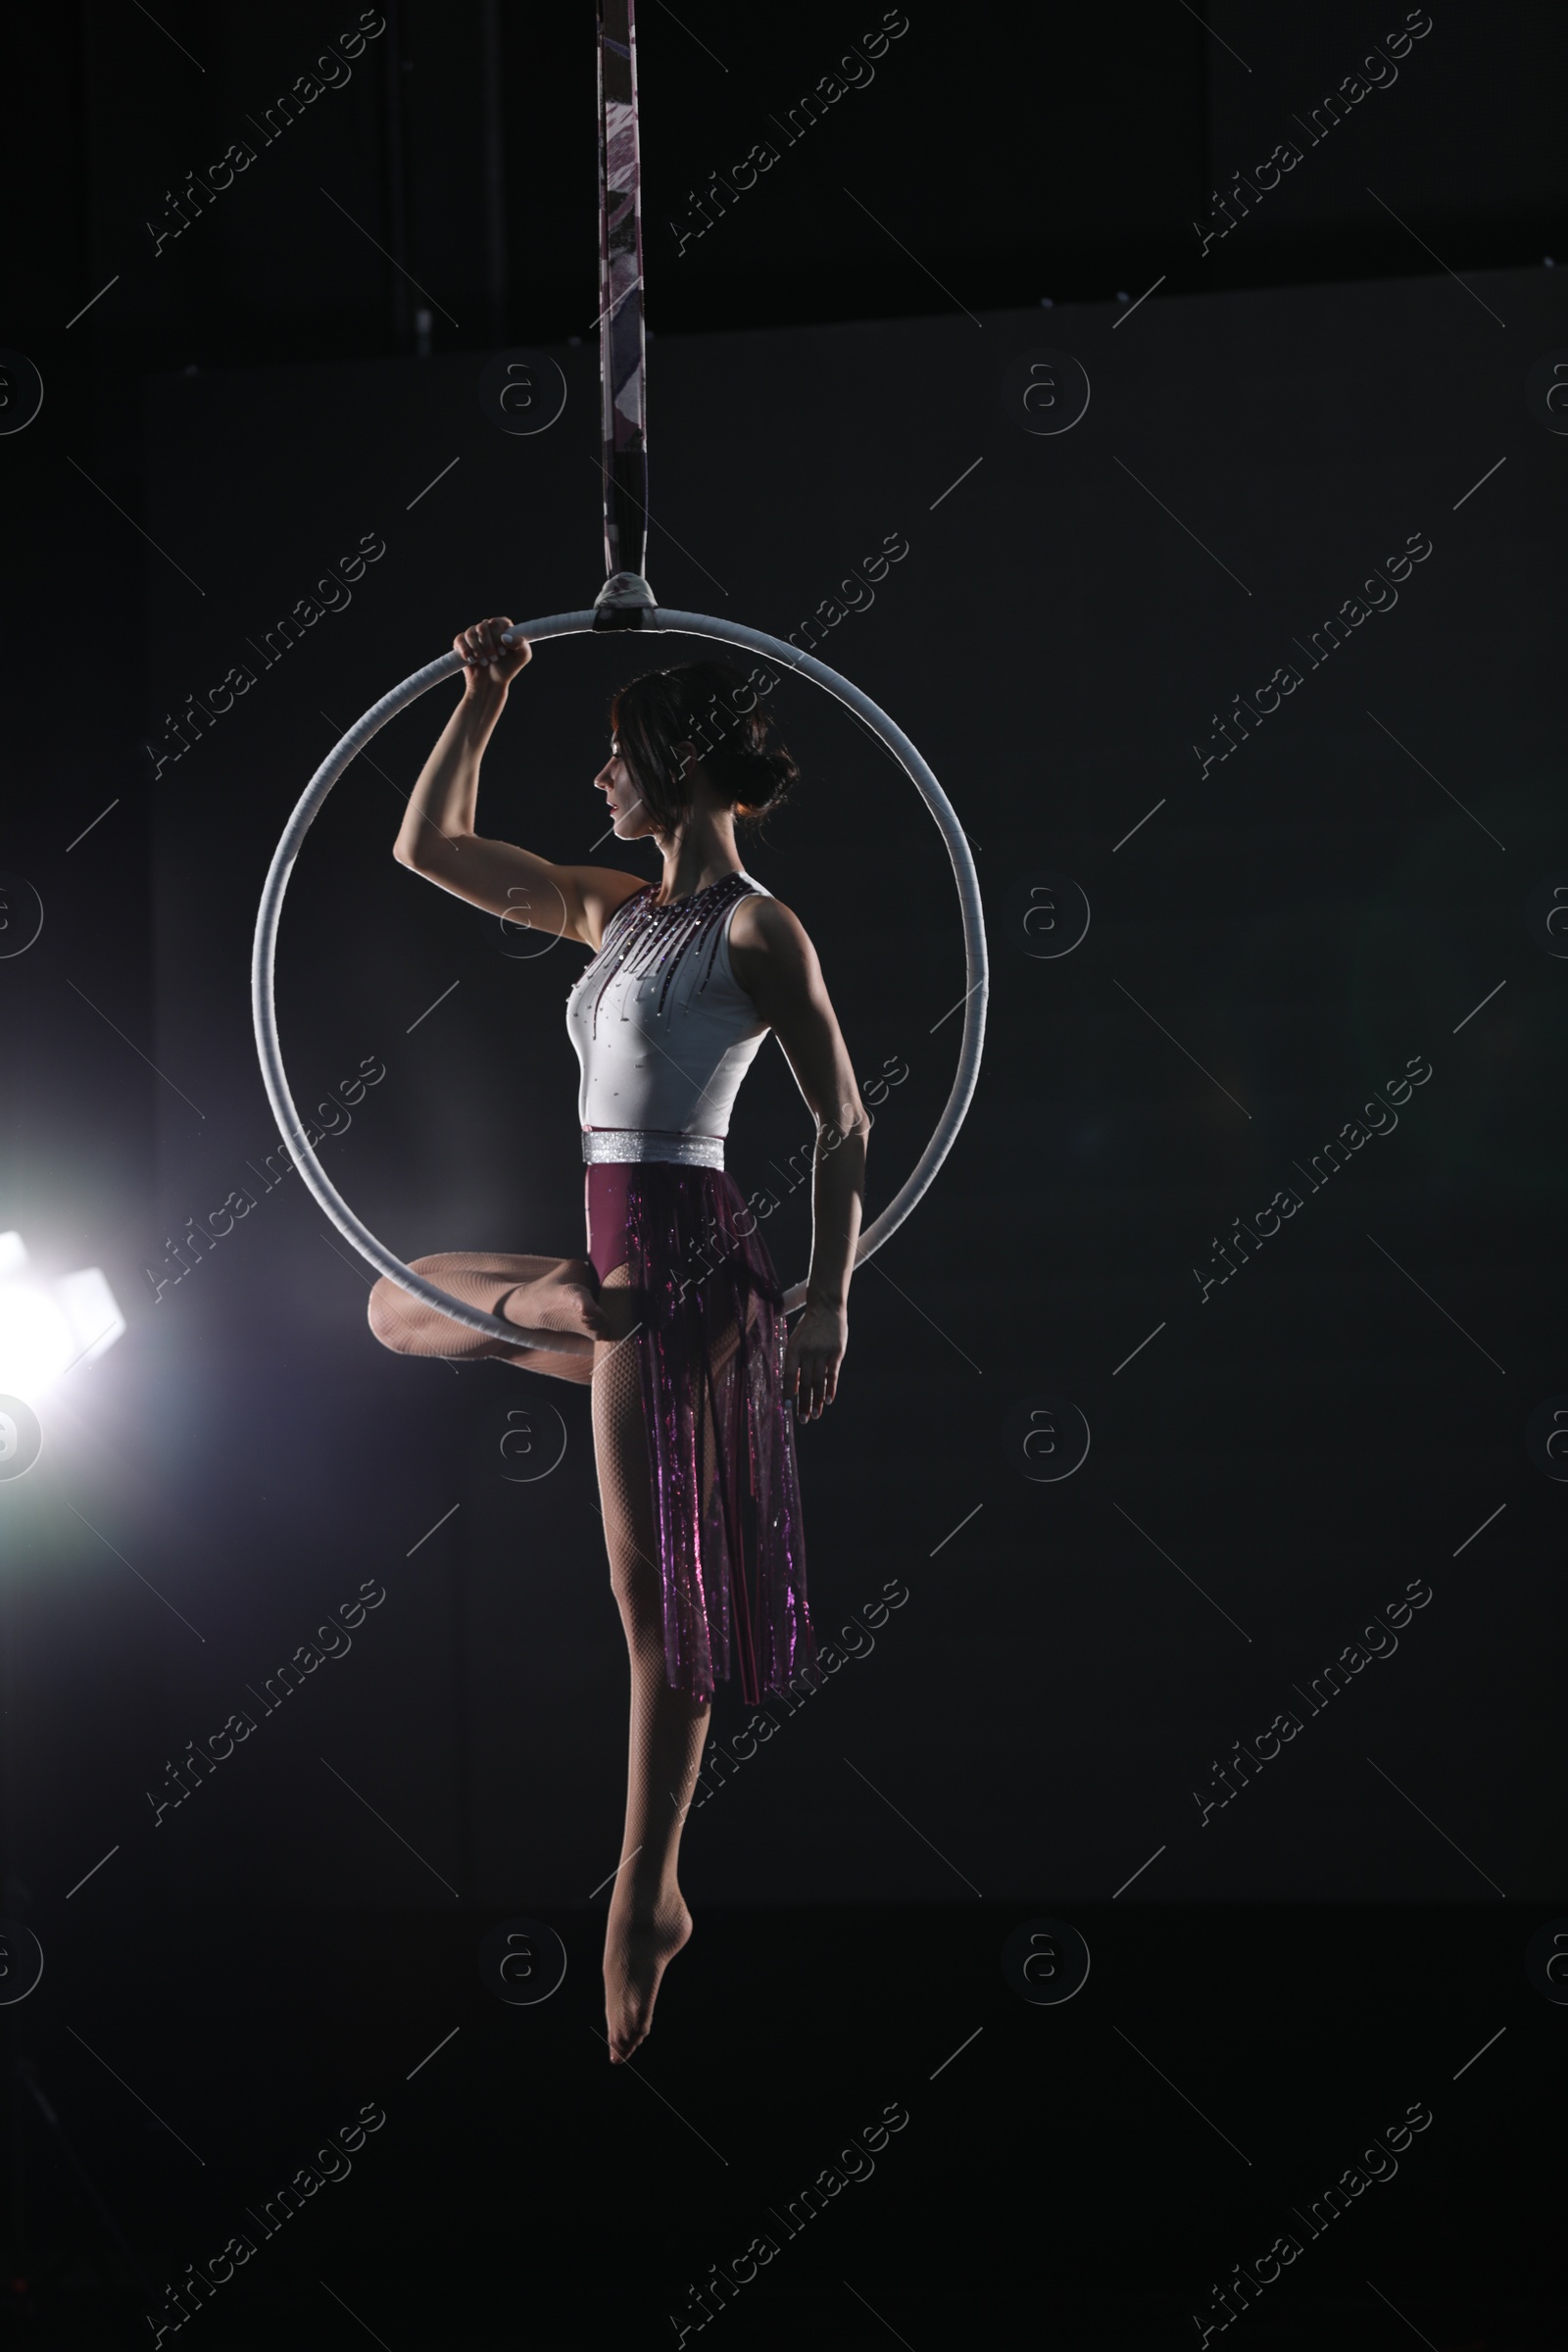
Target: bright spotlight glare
{"points": [[46, 1329], [90, 1310], [36, 1340]]}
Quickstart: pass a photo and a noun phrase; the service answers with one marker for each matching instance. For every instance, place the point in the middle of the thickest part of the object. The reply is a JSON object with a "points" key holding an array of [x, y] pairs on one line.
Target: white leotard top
{"points": [[663, 1030]]}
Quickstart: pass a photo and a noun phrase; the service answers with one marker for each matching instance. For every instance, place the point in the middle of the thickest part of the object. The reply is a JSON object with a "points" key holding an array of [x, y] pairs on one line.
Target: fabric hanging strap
{"points": [[621, 350]]}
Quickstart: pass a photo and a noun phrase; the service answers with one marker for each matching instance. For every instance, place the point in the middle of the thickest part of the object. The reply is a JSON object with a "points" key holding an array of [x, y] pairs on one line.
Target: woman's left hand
{"points": [[811, 1360]]}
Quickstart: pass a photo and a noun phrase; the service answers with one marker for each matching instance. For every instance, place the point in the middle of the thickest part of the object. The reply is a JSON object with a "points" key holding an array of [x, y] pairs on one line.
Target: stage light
{"points": [[47, 1327]]}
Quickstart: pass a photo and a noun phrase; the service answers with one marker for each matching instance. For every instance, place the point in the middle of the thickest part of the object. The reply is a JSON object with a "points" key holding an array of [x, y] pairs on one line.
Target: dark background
{"points": [[1277, 939]]}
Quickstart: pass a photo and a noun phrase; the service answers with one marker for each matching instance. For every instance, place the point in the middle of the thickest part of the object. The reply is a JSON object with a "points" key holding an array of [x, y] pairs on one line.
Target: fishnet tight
{"points": [[667, 1729], [528, 1290]]}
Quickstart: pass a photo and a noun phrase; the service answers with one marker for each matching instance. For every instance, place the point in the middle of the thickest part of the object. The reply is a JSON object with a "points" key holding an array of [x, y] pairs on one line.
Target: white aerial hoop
{"points": [[619, 595]]}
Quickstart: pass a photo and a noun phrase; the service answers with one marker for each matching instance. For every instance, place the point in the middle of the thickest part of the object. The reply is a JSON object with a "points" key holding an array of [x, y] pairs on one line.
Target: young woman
{"points": [[676, 1314]]}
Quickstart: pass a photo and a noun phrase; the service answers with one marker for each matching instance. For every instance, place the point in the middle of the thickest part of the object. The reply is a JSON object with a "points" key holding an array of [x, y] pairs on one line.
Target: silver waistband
{"points": [[623, 1143]]}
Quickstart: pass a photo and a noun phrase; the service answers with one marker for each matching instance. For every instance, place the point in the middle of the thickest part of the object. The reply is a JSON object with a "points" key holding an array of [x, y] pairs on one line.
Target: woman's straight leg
{"points": [[649, 1920]]}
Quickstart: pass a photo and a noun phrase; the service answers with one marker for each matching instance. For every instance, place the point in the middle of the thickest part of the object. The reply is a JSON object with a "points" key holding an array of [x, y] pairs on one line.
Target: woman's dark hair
{"points": [[716, 710]]}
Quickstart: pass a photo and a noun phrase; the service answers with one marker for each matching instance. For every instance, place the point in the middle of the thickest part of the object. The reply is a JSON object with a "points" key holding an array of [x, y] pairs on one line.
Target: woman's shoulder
{"points": [[763, 922], [770, 949]]}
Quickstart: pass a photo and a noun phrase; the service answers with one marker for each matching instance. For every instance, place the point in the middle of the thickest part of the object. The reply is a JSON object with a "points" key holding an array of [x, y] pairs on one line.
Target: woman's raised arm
{"points": [[437, 838]]}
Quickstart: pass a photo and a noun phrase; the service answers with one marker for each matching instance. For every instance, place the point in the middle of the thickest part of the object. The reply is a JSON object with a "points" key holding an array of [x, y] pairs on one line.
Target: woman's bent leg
{"points": [[541, 1294], [649, 1920]]}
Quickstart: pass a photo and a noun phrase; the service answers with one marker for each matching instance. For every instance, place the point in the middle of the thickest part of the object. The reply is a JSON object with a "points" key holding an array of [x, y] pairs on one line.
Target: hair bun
{"points": [[764, 778], [711, 709]]}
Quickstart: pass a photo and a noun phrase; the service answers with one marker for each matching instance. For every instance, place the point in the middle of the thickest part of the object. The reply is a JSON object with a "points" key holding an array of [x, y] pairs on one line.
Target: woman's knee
{"points": [[637, 1586], [398, 1321], [390, 1314]]}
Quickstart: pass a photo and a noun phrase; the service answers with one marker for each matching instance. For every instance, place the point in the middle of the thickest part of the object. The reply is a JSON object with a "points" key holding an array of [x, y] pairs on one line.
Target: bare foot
{"points": [[565, 1299], [638, 1947]]}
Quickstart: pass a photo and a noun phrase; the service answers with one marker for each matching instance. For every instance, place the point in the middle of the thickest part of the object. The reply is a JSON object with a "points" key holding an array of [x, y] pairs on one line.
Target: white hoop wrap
{"points": [[573, 625]]}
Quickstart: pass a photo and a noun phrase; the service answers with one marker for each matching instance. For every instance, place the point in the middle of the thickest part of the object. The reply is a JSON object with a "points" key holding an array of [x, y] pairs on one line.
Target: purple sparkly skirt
{"points": [[710, 1343]]}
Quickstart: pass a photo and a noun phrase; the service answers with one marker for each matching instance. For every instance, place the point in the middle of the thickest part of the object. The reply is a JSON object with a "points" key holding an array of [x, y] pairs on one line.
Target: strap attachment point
{"points": [[623, 602]]}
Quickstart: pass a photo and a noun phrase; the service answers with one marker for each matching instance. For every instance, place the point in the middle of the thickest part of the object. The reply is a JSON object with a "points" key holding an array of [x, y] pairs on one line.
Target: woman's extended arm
{"points": [[776, 965], [437, 838]]}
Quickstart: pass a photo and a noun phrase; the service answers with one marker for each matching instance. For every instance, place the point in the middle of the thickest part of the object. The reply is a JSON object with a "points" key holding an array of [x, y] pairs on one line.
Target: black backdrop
{"points": [[1277, 940], [1034, 1734]]}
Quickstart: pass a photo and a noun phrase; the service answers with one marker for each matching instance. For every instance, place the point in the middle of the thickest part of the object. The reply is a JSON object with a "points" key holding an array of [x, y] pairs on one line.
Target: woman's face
{"points": [[629, 818]]}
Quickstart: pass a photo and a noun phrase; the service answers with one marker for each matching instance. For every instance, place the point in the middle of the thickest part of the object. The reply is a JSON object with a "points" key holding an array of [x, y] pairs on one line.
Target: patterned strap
{"points": [[621, 367]]}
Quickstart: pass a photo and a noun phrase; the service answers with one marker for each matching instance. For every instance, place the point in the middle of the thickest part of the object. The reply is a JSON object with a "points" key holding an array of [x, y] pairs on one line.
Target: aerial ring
{"points": [[574, 624]]}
